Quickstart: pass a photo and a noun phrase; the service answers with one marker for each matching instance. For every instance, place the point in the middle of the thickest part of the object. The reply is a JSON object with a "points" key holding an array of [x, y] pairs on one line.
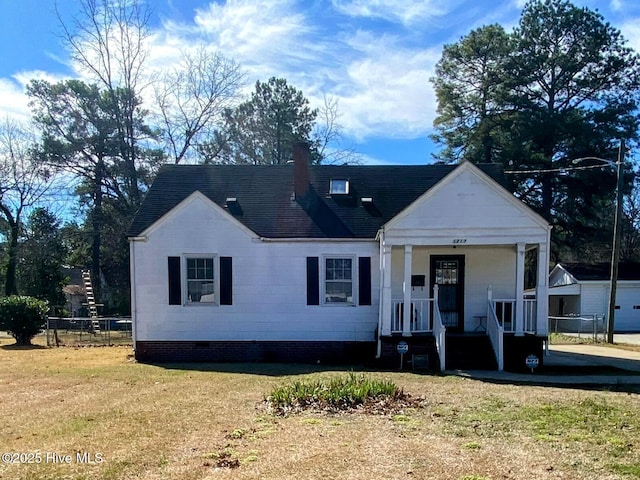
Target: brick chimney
{"points": [[300, 169]]}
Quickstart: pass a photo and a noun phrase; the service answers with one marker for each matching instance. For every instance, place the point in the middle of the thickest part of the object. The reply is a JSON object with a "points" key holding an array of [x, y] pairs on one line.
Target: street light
{"points": [[615, 254]]}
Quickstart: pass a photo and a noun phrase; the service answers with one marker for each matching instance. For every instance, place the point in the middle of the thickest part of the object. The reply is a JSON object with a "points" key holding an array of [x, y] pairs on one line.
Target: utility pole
{"points": [[615, 254]]}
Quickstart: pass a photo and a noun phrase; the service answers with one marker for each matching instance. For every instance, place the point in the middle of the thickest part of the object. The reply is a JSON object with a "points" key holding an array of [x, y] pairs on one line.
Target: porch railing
{"points": [[420, 316], [505, 310], [425, 318], [495, 332]]}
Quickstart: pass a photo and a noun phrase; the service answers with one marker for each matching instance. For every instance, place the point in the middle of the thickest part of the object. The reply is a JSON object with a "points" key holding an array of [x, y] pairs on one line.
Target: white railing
{"points": [[439, 330], [495, 332], [420, 316], [530, 315], [505, 311]]}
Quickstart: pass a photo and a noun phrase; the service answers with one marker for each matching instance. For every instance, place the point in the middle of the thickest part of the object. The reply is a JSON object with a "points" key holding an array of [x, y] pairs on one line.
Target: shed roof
{"points": [[602, 270]]}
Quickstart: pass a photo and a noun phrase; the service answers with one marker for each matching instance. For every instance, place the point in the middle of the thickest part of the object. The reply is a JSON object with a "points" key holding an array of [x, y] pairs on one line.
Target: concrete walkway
{"points": [[579, 365]]}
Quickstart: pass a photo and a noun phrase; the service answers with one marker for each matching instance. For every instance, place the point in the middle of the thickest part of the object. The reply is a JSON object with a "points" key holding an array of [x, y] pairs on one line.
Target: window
{"points": [[339, 187], [338, 281], [200, 280]]}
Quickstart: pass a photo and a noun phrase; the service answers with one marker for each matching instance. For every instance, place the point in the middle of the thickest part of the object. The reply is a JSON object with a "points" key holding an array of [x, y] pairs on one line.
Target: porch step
{"points": [[469, 352]]}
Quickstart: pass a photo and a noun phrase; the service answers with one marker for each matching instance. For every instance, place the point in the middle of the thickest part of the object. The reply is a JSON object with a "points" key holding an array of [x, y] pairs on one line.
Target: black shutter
{"points": [[313, 281], [175, 282], [364, 280], [226, 281]]}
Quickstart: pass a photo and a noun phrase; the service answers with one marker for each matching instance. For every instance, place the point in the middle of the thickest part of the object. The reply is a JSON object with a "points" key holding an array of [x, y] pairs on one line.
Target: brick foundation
{"points": [[517, 349], [422, 346], [254, 351]]}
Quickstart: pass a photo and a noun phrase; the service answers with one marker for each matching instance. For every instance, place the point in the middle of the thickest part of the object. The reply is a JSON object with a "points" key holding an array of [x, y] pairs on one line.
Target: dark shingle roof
{"points": [[264, 195], [602, 271]]}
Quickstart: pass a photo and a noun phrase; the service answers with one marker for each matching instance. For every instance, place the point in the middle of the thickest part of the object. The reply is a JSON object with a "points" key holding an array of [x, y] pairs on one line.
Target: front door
{"points": [[447, 271]]}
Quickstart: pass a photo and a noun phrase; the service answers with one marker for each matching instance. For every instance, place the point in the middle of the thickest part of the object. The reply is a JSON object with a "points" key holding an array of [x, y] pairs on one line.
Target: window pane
{"points": [[338, 292], [200, 280], [338, 280]]}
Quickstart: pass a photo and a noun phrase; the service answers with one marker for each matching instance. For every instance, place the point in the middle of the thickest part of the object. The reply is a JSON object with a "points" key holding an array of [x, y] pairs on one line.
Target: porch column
{"points": [[519, 314], [386, 290], [406, 288], [542, 291]]}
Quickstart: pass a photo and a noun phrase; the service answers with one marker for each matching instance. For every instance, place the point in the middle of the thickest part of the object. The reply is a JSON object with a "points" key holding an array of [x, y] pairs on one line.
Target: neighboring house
{"points": [[74, 292], [316, 263], [582, 290]]}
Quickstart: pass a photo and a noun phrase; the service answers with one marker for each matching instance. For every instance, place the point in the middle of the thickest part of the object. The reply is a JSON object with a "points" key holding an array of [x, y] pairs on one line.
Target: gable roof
{"points": [[601, 271], [265, 204]]}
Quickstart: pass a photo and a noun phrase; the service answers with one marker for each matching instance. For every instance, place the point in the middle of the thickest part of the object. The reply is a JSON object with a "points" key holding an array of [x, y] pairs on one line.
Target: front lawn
{"points": [[113, 418]]}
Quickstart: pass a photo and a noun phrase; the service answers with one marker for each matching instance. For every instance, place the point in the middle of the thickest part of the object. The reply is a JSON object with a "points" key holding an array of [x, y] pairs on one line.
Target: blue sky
{"points": [[374, 56]]}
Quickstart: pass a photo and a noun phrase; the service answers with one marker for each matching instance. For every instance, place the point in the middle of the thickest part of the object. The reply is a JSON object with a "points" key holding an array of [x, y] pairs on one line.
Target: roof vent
{"points": [[369, 206], [339, 187], [233, 206]]}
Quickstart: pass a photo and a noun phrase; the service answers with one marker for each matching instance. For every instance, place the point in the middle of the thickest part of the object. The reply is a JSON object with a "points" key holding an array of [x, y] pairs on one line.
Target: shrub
{"points": [[342, 393], [23, 317]]}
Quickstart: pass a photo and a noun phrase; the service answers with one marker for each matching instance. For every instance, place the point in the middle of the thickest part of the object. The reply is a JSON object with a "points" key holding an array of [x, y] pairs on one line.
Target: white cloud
{"points": [[400, 11], [386, 91], [14, 103], [631, 31], [616, 5]]}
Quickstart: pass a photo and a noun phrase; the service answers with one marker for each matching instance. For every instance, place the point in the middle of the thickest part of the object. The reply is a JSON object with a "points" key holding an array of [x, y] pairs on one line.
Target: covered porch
{"points": [[475, 290]]}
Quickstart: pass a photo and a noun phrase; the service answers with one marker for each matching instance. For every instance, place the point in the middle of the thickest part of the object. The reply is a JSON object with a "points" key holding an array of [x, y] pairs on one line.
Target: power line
{"points": [[553, 170]]}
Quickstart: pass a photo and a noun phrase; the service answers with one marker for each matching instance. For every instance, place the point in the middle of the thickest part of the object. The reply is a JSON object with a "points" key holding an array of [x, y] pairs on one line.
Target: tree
{"points": [[107, 41], [471, 89], [191, 100], [23, 183], [80, 134], [264, 129], [43, 254], [563, 86], [23, 317]]}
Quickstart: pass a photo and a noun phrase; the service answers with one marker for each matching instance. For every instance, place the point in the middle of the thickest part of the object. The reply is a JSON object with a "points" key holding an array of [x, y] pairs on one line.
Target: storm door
{"points": [[448, 272]]}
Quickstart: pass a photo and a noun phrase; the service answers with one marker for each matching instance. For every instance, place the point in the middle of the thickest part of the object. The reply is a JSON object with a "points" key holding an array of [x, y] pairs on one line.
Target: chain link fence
{"points": [[61, 331], [590, 326]]}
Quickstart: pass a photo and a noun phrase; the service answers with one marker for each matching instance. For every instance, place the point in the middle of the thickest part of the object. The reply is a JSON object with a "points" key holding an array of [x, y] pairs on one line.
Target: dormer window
{"points": [[339, 187]]}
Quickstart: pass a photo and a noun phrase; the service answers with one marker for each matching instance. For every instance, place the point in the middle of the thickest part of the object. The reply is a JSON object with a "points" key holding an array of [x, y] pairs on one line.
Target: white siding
{"points": [[593, 299], [269, 284], [466, 207], [484, 267]]}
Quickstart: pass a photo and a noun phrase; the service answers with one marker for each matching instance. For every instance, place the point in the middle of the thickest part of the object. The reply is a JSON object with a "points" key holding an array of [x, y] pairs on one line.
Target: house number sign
{"points": [[459, 240]]}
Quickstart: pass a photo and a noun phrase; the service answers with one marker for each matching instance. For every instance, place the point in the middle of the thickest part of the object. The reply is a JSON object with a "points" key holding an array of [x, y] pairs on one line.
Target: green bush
{"points": [[336, 394], [23, 317]]}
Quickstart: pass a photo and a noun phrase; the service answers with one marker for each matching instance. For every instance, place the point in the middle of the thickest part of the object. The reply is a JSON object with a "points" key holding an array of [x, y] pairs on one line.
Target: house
{"points": [[583, 289], [319, 263]]}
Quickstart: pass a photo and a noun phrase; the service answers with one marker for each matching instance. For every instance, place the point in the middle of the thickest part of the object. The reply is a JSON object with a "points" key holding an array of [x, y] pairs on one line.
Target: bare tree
{"points": [[191, 99], [23, 183], [328, 135], [107, 40]]}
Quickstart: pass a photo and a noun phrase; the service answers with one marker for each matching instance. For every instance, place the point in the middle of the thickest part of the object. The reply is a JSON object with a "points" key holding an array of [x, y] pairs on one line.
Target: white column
{"points": [[542, 291], [519, 313], [386, 290], [406, 289]]}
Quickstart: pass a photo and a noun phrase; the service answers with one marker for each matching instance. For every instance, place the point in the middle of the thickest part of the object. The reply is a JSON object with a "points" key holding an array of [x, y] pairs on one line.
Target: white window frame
{"points": [[185, 279], [354, 280], [334, 182]]}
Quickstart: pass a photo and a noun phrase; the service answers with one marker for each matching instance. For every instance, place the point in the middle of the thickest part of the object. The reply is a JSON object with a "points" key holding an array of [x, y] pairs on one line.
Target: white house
{"points": [[582, 290], [317, 263]]}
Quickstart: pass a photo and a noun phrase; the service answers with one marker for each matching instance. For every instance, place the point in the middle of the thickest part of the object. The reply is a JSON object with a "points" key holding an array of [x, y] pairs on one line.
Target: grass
{"points": [[206, 422], [561, 339]]}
